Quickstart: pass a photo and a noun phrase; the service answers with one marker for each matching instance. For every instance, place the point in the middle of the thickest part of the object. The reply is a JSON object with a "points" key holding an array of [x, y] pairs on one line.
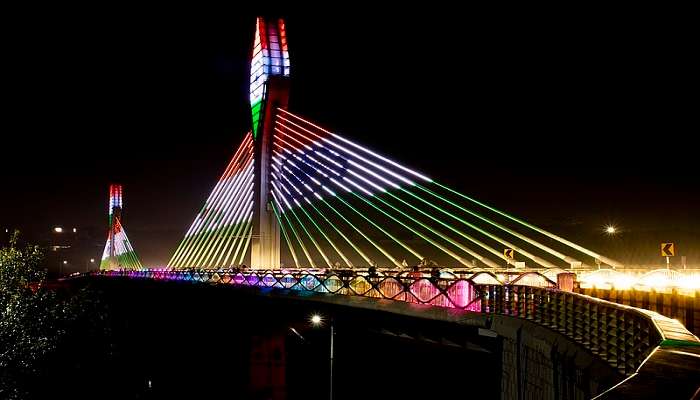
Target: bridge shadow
{"points": [[177, 340]]}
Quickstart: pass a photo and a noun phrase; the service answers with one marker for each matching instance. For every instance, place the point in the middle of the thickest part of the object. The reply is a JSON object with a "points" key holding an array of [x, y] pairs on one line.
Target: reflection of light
{"points": [[691, 282], [655, 281], [659, 279], [58, 229], [596, 280], [623, 282]]}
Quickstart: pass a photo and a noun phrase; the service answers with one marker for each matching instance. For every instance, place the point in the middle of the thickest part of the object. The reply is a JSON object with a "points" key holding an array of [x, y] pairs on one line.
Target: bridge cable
{"points": [[284, 232], [461, 260], [213, 195], [303, 227], [384, 252], [233, 213], [294, 231], [371, 222], [537, 259], [204, 232], [340, 253], [533, 227]]}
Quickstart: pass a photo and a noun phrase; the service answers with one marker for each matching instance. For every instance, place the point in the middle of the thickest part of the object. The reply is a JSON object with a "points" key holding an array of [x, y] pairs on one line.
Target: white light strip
{"points": [[187, 244], [217, 187], [238, 238], [233, 188], [235, 216], [410, 171], [348, 151], [375, 225]]}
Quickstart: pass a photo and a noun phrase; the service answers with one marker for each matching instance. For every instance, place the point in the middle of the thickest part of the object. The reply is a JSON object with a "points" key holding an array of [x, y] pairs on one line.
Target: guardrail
{"points": [[442, 292], [621, 335]]}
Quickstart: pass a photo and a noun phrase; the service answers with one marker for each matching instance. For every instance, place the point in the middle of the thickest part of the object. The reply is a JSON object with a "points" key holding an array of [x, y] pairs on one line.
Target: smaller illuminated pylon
{"points": [[118, 253]]}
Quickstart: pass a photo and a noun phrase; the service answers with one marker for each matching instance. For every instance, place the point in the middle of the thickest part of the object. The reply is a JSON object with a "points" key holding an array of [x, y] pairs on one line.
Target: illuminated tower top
{"points": [[269, 57], [115, 199]]}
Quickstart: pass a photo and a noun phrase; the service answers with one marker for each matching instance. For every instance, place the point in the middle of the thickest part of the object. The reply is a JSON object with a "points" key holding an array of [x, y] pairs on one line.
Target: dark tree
{"points": [[34, 319]]}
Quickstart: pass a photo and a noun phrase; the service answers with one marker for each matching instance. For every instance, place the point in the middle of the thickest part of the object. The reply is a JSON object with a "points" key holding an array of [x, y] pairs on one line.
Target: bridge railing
{"points": [[443, 292], [621, 335]]}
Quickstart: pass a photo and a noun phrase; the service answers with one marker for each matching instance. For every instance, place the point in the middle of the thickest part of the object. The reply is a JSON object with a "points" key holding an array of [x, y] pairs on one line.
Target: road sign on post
{"points": [[668, 250]]}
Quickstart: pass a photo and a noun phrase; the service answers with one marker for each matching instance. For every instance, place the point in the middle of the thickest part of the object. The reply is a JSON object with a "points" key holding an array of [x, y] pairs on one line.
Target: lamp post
{"points": [[316, 320]]}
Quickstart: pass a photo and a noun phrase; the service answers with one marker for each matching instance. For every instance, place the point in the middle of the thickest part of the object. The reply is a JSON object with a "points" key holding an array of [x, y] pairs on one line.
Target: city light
{"points": [[611, 230], [661, 279], [75, 230], [92, 260], [65, 262], [316, 319], [58, 229]]}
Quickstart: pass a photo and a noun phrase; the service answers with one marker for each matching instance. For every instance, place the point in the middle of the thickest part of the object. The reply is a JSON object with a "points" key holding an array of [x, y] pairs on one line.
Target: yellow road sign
{"points": [[509, 253], [668, 250]]}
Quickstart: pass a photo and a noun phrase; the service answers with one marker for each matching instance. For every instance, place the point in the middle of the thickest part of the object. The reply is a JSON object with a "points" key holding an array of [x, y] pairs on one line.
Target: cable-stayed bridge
{"points": [[303, 208], [334, 202]]}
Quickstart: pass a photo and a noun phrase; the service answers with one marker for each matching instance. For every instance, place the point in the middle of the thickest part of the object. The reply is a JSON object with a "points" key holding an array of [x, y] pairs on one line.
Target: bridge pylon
{"points": [[118, 252], [265, 250], [238, 217], [269, 90]]}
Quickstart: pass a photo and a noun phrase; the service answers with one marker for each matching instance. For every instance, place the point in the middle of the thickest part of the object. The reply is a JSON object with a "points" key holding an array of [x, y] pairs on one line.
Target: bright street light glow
{"points": [[610, 230], [58, 229], [75, 230], [65, 262], [316, 319], [92, 260]]}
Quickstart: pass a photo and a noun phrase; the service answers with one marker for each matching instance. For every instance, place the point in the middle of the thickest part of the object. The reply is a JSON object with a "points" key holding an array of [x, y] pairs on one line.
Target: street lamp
{"points": [[317, 321], [88, 266], [58, 229], [611, 230]]}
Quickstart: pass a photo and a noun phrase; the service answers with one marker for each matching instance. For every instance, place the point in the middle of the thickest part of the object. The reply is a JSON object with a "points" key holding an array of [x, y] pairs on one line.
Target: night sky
{"points": [[570, 124]]}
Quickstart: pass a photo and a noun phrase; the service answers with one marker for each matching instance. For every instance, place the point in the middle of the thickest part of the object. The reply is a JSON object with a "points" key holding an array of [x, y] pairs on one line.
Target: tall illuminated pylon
{"points": [[118, 252], [269, 91], [236, 218]]}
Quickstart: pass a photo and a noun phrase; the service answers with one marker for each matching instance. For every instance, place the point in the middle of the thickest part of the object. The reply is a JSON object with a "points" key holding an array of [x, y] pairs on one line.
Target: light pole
{"points": [[316, 320]]}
